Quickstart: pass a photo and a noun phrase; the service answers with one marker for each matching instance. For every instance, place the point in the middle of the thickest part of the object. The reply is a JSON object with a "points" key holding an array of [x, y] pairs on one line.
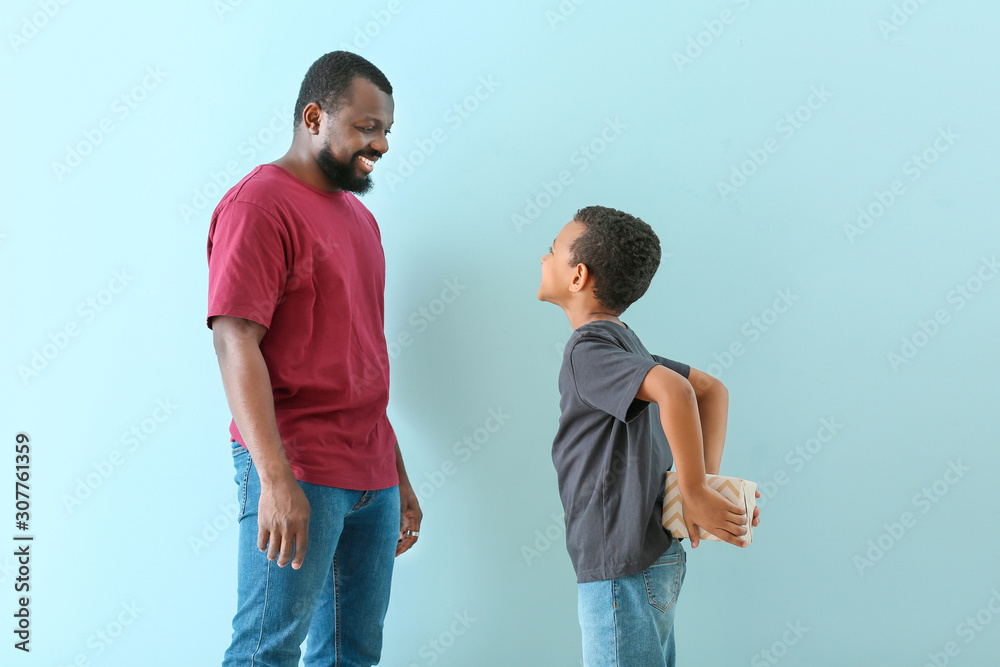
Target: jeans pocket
{"points": [[242, 462], [663, 580]]}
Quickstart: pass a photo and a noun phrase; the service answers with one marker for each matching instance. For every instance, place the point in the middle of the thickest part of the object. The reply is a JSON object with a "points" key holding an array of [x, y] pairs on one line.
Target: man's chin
{"points": [[359, 186], [345, 177]]}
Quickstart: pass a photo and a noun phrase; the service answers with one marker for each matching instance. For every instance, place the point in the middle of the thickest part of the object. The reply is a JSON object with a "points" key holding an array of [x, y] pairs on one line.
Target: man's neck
{"points": [[300, 164]]}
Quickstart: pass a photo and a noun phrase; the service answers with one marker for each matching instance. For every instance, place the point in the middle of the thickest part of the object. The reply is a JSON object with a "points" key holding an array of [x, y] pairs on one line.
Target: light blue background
{"points": [[491, 548]]}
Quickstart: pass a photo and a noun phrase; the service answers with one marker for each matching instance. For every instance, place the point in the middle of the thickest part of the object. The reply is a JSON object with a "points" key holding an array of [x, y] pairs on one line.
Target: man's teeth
{"points": [[368, 163]]}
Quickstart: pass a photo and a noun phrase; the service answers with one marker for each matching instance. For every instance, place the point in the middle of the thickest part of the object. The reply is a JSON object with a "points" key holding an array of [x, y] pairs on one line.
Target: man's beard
{"points": [[343, 176]]}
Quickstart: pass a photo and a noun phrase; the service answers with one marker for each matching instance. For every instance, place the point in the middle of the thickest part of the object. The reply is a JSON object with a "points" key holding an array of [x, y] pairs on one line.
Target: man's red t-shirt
{"points": [[308, 265]]}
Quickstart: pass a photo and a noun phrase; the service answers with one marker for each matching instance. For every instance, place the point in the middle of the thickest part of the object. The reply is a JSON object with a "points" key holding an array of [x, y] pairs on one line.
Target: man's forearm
{"points": [[400, 468], [251, 401]]}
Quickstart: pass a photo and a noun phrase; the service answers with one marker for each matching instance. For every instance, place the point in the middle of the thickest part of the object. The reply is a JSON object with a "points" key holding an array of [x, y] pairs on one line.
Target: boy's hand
{"points": [[756, 513], [709, 509]]}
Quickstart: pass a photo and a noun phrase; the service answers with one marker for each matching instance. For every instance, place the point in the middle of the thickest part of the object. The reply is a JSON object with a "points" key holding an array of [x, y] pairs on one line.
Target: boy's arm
{"points": [[681, 421], [713, 406]]}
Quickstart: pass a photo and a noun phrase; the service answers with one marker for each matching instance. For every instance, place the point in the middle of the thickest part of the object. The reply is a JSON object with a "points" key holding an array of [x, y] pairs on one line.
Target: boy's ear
{"points": [[581, 276]]}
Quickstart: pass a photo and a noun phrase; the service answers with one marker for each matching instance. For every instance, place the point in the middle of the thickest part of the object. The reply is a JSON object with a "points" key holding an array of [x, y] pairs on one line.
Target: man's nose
{"points": [[380, 144]]}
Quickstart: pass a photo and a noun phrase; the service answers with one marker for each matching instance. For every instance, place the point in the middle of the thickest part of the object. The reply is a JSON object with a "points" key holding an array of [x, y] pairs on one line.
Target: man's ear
{"points": [[581, 276], [312, 117]]}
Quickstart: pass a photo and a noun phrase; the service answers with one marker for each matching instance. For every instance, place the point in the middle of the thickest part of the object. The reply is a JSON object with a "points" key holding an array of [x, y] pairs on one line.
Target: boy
{"points": [[609, 451]]}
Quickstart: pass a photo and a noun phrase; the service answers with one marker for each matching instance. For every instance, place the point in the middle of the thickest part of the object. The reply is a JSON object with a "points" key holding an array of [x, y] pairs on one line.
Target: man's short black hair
{"points": [[329, 79], [620, 251]]}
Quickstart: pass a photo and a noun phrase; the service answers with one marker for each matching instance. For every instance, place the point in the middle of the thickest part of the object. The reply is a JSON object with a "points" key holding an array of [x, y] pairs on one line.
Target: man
{"points": [[296, 285]]}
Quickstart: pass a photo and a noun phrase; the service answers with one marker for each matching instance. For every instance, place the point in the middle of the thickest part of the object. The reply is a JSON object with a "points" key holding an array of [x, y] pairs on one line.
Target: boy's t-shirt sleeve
{"points": [[247, 268], [675, 366], [607, 376]]}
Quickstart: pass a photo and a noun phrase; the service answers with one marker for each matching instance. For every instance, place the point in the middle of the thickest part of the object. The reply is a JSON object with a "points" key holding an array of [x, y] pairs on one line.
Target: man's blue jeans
{"points": [[629, 621], [338, 597]]}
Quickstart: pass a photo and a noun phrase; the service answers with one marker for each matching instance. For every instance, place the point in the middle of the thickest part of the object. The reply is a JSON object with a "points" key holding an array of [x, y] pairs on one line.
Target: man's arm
{"points": [[713, 406], [283, 510], [681, 421], [410, 514]]}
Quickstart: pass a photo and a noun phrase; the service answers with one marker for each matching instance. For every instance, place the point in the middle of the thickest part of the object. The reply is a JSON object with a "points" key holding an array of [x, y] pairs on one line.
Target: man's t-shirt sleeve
{"points": [[607, 376], [675, 366], [247, 267]]}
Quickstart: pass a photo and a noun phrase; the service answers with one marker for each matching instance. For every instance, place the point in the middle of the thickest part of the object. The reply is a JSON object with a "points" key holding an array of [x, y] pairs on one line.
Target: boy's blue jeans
{"points": [[629, 621], [338, 597]]}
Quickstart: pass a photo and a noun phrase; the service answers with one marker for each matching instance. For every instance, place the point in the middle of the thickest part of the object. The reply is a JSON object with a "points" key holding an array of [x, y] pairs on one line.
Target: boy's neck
{"points": [[585, 312]]}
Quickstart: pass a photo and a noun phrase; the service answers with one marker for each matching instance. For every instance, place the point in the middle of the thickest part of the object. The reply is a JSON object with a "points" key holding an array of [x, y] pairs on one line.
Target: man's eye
{"points": [[388, 132]]}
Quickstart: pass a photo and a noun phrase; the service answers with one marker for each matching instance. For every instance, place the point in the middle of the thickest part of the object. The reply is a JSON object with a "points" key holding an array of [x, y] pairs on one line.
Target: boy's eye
{"points": [[550, 250], [387, 132]]}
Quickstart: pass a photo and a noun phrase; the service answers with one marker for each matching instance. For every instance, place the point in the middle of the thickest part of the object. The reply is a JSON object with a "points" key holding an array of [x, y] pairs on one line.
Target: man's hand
{"points": [[707, 508], [409, 517], [756, 513], [283, 521]]}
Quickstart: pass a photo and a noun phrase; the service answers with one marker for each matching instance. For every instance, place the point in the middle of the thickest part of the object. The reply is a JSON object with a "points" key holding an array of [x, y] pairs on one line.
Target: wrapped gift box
{"points": [[740, 491]]}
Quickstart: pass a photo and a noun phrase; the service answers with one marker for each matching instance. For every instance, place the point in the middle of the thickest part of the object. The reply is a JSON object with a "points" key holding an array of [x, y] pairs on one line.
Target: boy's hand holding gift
{"points": [[714, 510]]}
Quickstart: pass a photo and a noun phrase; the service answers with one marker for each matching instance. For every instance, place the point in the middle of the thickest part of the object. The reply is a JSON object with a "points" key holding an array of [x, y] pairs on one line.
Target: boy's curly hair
{"points": [[620, 251]]}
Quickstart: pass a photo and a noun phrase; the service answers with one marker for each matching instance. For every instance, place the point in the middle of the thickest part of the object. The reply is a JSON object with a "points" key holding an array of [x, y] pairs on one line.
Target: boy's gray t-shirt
{"points": [[610, 453]]}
